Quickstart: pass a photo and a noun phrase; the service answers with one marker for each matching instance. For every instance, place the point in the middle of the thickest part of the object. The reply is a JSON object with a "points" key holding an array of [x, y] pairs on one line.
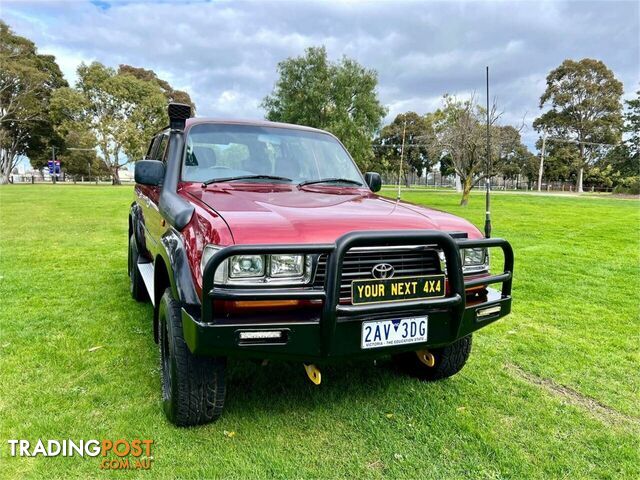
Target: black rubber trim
{"points": [[178, 266]]}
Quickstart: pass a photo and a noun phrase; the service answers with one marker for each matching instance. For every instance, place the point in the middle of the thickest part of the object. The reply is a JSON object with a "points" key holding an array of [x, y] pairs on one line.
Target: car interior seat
{"points": [[204, 157]]}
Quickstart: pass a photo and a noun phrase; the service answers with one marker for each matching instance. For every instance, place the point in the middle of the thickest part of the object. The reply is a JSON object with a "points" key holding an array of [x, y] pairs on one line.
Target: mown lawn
{"points": [[551, 391]]}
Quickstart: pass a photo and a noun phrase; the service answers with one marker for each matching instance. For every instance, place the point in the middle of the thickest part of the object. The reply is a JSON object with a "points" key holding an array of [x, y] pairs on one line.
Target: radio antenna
{"points": [[404, 131], [487, 220]]}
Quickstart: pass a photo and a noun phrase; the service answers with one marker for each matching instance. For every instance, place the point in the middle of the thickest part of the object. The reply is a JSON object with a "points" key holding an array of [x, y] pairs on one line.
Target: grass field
{"points": [[551, 391]]}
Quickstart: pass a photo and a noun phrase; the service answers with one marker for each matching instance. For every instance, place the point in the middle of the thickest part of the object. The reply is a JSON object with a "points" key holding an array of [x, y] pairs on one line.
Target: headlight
{"points": [[474, 260], [473, 256], [246, 266], [287, 265], [222, 273], [259, 269]]}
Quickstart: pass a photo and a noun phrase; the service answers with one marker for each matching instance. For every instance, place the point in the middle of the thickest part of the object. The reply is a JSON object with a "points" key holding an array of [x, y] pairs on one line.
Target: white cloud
{"points": [[225, 53]]}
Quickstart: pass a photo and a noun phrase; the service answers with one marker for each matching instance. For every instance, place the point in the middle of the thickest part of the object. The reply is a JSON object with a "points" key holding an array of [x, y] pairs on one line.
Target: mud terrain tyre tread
{"points": [[194, 391]]}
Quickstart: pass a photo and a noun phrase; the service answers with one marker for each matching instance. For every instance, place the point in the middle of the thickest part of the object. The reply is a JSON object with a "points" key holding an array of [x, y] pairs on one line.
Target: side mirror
{"points": [[149, 172], [374, 181]]}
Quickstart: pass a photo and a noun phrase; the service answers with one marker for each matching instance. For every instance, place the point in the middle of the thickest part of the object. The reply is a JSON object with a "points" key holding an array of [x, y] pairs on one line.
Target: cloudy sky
{"points": [[225, 53]]}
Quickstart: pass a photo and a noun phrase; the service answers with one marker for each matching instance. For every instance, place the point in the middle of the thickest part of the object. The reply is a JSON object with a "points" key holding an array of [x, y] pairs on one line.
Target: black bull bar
{"points": [[334, 313]]}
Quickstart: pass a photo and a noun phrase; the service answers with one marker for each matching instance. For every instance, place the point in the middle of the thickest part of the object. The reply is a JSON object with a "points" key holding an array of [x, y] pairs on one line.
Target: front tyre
{"points": [[449, 360], [193, 387], [136, 284]]}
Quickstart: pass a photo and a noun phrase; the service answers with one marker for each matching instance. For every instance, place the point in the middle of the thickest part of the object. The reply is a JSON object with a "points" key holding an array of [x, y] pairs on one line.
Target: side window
{"points": [[165, 154], [149, 153], [161, 148]]}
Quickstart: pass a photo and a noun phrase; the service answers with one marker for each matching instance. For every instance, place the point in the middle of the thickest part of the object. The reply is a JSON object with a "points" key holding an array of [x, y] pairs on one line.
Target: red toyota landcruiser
{"points": [[263, 240]]}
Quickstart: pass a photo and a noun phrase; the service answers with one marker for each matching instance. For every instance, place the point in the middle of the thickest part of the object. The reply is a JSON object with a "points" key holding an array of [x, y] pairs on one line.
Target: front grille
{"points": [[358, 263]]}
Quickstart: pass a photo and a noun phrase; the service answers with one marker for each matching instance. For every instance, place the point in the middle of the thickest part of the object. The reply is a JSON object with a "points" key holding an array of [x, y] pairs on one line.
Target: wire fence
{"points": [[66, 179], [438, 180], [432, 180]]}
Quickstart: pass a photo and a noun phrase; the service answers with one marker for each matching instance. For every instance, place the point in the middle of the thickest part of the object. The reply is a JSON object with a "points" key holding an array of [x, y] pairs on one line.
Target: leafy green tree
{"points": [[120, 110], [562, 161], [79, 158], [632, 126], [171, 95], [583, 100], [27, 80], [339, 97], [529, 167], [418, 142], [601, 176], [511, 153]]}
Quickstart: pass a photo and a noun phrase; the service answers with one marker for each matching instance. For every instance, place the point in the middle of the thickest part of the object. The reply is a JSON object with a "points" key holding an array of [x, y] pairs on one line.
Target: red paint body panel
{"points": [[288, 214], [250, 213]]}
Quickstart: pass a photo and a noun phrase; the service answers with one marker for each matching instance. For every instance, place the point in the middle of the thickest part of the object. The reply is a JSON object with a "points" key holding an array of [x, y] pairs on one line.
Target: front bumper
{"points": [[336, 334]]}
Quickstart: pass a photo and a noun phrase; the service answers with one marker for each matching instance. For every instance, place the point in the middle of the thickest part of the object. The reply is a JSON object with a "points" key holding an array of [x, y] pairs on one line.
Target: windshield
{"points": [[217, 151]]}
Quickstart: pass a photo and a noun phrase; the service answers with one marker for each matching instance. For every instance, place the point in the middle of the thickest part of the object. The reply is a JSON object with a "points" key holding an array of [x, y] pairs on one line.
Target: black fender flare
{"points": [[173, 257], [174, 254], [136, 227]]}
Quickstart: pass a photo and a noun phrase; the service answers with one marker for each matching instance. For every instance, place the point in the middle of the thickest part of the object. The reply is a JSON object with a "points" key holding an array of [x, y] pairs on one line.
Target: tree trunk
{"points": [[580, 173], [116, 176], [458, 184], [466, 190], [5, 167]]}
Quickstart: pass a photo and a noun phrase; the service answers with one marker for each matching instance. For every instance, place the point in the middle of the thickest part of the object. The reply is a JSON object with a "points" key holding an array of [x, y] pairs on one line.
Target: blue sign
{"points": [[50, 164]]}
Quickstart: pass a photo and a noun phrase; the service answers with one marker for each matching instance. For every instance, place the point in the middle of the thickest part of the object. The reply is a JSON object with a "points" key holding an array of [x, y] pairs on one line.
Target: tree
{"points": [[632, 144], [79, 157], [461, 137], [419, 137], [27, 80], [170, 94], [529, 168], [339, 97], [584, 106], [120, 110], [632, 124], [461, 142], [511, 153], [562, 161]]}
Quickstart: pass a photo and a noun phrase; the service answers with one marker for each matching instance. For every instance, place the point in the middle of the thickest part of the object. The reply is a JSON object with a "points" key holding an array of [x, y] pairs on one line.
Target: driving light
{"points": [[260, 334], [287, 265], [247, 266], [256, 337], [488, 312]]}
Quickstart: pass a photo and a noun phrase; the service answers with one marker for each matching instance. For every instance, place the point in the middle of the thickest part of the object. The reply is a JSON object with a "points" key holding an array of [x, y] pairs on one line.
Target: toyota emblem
{"points": [[382, 271]]}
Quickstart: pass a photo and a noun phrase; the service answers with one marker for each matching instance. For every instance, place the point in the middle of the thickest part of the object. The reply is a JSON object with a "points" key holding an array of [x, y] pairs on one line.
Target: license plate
{"points": [[396, 289], [384, 333]]}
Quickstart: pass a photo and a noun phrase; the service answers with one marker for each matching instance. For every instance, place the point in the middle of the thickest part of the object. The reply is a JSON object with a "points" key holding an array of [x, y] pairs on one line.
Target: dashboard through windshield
{"points": [[222, 152]]}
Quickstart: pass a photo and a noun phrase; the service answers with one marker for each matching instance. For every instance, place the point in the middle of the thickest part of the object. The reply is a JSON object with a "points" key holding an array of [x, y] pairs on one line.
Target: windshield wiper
{"points": [[246, 177], [330, 180]]}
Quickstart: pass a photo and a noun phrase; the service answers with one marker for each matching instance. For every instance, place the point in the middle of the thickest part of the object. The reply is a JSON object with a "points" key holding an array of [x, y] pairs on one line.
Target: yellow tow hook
{"points": [[426, 357], [313, 373]]}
